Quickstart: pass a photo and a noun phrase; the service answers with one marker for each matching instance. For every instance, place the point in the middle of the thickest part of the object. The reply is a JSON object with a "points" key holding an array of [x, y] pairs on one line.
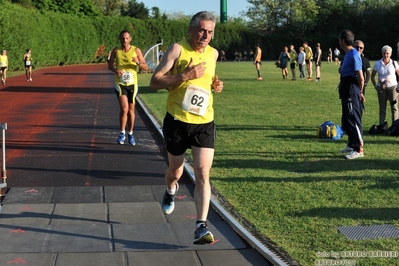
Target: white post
{"points": [[3, 149]]}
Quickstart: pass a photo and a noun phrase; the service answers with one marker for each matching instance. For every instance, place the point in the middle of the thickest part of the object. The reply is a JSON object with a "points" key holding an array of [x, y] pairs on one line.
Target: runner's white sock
{"points": [[171, 191]]}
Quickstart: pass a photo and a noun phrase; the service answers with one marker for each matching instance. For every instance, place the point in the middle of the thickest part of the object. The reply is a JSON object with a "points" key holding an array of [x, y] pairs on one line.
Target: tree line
{"points": [[321, 21], [72, 31]]}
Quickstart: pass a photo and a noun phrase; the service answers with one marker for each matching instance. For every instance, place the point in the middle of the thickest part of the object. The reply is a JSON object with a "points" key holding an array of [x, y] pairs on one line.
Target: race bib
{"points": [[195, 100], [126, 77], [27, 62]]}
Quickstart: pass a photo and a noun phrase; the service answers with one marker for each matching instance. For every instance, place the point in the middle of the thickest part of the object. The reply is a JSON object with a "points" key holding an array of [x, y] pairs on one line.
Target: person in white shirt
{"points": [[301, 62], [336, 56], [386, 86]]}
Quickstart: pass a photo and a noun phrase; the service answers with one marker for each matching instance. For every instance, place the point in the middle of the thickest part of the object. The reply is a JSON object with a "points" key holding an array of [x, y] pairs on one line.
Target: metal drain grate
{"points": [[369, 232]]}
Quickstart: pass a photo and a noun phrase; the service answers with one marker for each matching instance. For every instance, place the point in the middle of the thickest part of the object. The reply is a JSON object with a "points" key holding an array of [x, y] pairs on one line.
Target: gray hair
{"points": [[386, 48], [358, 42], [202, 15]]}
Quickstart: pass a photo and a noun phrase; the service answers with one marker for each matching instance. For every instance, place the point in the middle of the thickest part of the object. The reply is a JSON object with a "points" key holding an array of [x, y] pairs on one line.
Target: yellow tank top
{"points": [[258, 55], [293, 56], [3, 60], [192, 101], [124, 62], [308, 53]]}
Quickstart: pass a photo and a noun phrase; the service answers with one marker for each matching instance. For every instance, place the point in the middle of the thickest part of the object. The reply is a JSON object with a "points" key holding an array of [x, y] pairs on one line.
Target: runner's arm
{"points": [[111, 62], [140, 60], [161, 80]]}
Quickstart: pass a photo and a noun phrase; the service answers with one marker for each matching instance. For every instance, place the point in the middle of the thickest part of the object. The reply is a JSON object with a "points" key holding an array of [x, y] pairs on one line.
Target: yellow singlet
{"points": [[3, 61], [309, 53], [293, 57], [258, 55], [192, 101], [28, 60], [124, 62]]}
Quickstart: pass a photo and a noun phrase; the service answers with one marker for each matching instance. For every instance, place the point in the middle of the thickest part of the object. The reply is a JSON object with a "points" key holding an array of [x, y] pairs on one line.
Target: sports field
{"points": [[295, 189]]}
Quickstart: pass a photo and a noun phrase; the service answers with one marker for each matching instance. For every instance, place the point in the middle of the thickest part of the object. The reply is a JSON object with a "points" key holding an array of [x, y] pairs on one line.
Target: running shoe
{"points": [[121, 138], [259, 78], [168, 201], [354, 155], [2, 81], [346, 150], [30, 79], [131, 140], [202, 235]]}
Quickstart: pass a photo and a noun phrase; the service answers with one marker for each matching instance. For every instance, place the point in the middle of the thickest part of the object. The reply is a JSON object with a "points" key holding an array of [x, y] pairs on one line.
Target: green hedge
{"points": [[63, 39]]}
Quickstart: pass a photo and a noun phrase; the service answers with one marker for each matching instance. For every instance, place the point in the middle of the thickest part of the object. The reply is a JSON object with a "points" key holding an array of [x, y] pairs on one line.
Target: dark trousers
{"points": [[352, 118]]}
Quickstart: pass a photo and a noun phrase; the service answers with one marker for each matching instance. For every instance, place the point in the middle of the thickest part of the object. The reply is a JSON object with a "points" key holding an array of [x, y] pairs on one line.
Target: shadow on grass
{"points": [[381, 214], [378, 139], [306, 171], [266, 127]]}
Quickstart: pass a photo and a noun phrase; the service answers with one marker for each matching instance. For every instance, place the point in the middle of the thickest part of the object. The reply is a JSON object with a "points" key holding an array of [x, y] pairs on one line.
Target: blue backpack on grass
{"points": [[330, 130]]}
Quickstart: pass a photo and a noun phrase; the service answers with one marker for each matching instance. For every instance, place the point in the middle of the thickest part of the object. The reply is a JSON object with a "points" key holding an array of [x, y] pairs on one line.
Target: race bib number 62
{"points": [[196, 100]]}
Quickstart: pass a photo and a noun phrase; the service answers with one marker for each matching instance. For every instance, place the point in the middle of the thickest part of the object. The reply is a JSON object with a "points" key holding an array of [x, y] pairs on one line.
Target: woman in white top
{"points": [[387, 85]]}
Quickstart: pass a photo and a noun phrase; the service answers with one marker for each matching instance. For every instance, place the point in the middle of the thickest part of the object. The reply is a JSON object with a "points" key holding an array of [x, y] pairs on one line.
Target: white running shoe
{"points": [[354, 155]]}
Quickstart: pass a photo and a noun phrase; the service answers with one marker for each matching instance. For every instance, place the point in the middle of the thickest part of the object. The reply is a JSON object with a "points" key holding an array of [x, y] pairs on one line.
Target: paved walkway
{"points": [[76, 197]]}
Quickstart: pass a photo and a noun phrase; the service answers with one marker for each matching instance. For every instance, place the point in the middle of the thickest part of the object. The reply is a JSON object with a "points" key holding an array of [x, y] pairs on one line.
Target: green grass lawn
{"points": [[292, 187]]}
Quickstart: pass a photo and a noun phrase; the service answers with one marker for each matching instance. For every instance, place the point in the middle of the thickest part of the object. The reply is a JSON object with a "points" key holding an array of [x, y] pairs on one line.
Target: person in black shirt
{"points": [[366, 67]]}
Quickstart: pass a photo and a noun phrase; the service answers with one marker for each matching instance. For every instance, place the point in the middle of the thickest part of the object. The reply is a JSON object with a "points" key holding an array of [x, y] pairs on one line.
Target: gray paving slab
{"points": [[225, 237], [26, 214], [80, 213], [144, 237], [107, 230], [31, 195], [164, 258], [243, 257], [80, 238], [135, 212], [23, 238], [31, 259], [129, 194], [91, 259], [78, 195]]}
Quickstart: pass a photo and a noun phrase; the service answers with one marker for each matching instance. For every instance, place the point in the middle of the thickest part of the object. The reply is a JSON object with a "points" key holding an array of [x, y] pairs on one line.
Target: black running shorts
{"points": [[180, 136], [128, 91]]}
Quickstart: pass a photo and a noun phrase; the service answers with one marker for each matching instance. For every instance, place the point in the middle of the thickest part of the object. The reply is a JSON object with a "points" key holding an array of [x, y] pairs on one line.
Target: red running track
{"points": [[62, 131]]}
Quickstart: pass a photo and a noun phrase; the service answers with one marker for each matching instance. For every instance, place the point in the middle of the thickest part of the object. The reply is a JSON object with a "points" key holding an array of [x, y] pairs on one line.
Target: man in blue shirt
{"points": [[351, 95]]}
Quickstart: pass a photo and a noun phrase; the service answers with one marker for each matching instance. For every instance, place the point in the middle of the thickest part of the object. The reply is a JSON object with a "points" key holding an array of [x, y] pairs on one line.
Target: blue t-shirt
{"points": [[351, 64]]}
